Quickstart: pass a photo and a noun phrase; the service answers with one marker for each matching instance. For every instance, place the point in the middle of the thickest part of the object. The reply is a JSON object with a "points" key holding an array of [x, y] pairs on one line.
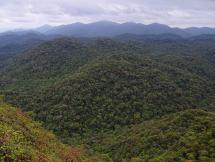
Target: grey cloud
{"points": [[31, 13]]}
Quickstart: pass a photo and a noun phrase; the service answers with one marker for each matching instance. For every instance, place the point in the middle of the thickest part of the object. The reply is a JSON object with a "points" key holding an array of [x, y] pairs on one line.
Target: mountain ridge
{"points": [[110, 29]]}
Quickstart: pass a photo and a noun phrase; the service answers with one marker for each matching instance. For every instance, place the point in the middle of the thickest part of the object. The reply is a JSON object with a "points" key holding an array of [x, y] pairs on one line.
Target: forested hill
{"points": [[118, 91], [58, 57], [14, 43], [91, 92], [23, 139], [188, 135]]}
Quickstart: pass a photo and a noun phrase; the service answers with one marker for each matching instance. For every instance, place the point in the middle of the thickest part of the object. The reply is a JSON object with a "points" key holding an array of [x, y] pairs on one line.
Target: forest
{"points": [[130, 98]]}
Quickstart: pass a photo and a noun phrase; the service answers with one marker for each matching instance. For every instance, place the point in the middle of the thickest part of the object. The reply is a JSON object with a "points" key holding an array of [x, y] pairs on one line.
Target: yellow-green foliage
{"points": [[22, 139]]}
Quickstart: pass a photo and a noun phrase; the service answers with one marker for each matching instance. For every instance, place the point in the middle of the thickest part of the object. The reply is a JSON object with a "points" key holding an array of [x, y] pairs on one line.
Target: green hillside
{"points": [[22, 139], [116, 91], [57, 57], [52, 60], [189, 135]]}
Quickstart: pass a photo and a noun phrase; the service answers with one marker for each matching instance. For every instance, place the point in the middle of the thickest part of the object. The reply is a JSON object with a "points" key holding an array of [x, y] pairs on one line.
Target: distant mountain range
{"points": [[18, 41], [111, 29]]}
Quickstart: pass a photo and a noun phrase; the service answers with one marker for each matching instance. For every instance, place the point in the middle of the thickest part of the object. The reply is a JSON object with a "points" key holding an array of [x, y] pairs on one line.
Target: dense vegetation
{"points": [[189, 135], [12, 43], [117, 91], [113, 97], [22, 139], [52, 60]]}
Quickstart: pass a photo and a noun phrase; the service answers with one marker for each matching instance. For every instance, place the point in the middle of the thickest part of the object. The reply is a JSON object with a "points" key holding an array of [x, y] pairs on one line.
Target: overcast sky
{"points": [[33, 13]]}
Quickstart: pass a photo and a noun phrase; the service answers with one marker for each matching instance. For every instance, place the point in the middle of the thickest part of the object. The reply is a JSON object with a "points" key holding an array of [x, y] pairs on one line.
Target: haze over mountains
{"points": [[16, 41], [111, 29]]}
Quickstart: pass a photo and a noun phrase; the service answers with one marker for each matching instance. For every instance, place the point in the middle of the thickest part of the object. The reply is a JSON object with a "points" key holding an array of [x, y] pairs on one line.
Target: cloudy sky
{"points": [[33, 13]]}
